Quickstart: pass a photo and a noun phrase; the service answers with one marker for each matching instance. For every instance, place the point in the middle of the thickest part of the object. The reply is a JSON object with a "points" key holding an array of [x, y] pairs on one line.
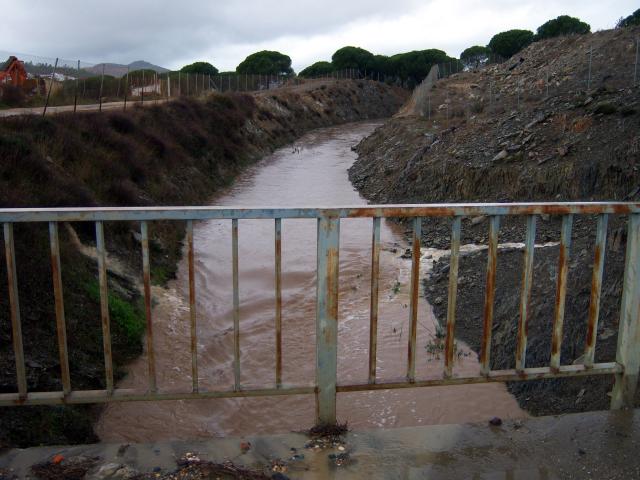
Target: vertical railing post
{"points": [[61, 328], [14, 303], [628, 353], [525, 295], [373, 310], [327, 319], [490, 295], [104, 306], [414, 291]]}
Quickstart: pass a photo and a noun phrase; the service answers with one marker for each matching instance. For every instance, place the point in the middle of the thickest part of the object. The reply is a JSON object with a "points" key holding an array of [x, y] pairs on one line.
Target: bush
{"points": [[13, 96], [631, 20], [507, 44], [127, 319], [562, 25]]}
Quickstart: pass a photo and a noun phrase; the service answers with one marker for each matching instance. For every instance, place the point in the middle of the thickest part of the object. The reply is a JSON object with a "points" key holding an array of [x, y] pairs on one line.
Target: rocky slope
{"points": [[174, 154], [506, 133]]}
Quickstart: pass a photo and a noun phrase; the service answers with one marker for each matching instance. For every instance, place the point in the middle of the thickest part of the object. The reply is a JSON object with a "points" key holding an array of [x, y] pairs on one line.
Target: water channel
{"points": [[310, 172]]}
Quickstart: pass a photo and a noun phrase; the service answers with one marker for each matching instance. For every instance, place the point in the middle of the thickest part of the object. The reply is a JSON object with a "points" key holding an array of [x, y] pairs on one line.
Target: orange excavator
{"points": [[12, 72]]}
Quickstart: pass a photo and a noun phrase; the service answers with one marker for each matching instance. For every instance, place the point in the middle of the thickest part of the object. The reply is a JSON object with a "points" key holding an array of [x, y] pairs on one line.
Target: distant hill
{"points": [[118, 70]]}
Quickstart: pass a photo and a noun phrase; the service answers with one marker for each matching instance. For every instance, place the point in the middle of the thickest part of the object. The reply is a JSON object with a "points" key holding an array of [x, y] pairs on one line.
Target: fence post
{"points": [[75, 95], [635, 69], [126, 89], [590, 60], [327, 319], [53, 75], [628, 353]]}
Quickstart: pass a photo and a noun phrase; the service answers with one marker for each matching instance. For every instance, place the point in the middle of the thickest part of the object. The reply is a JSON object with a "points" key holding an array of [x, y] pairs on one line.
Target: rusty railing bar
{"points": [[126, 395], [414, 291], [56, 273], [538, 373], [123, 395], [490, 293], [328, 247], [104, 306], [146, 274], [373, 309], [449, 346], [14, 302], [628, 353], [192, 306], [561, 291], [236, 305], [525, 297], [415, 210], [596, 289], [278, 282]]}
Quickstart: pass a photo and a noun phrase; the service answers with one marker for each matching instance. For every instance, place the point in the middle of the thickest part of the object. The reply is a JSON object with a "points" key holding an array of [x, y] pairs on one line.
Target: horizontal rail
{"points": [[206, 213], [325, 387], [128, 395]]}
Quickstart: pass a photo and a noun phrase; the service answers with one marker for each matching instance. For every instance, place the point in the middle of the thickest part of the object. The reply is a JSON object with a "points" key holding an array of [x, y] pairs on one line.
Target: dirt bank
{"points": [[180, 153], [497, 135]]}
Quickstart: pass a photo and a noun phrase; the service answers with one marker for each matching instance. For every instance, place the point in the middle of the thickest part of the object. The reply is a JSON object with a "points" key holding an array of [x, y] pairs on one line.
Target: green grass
{"points": [[126, 317]]}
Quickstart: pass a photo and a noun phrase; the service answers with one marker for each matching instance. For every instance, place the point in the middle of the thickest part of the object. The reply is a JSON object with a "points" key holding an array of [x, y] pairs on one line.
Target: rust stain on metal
{"points": [[490, 290], [596, 288], [104, 306], [373, 308], [146, 271], [278, 285], [449, 346], [561, 291], [192, 307], [413, 292], [14, 305], [59, 307]]}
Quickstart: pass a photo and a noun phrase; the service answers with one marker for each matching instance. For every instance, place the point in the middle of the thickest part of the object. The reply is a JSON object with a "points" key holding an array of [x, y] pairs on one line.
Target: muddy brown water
{"points": [[311, 172]]}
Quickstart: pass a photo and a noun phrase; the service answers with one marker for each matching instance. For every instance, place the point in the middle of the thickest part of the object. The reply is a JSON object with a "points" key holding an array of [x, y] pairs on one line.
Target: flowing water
{"points": [[311, 172]]}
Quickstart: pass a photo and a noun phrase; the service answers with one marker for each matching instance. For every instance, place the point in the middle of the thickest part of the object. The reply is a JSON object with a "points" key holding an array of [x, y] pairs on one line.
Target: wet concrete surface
{"points": [[594, 445]]}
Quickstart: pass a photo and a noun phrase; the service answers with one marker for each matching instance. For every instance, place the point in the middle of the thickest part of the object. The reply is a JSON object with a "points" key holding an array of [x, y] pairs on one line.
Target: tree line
{"points": [[410, 67]]}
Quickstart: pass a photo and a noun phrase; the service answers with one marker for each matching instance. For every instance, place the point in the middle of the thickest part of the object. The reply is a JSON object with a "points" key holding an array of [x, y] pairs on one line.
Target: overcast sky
{"points": [[173, 33]]}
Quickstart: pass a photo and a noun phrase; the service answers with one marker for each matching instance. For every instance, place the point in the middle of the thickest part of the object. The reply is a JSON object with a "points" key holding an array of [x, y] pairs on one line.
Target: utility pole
{"points": [[142, 95]]}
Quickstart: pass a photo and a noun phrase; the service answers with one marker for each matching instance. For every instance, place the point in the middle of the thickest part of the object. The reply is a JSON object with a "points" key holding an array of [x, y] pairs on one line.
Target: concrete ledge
{"points": [[595, 445]]}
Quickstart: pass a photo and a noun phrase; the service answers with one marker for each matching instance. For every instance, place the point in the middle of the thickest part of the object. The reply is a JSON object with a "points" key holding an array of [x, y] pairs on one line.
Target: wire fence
{"points": [[56, 82], [500, 84], [519, 83]]}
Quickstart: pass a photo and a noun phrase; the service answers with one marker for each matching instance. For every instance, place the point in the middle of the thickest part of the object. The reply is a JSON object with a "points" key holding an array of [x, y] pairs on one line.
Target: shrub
{"points": [[13, 96], [633, 19], [127, 319]]}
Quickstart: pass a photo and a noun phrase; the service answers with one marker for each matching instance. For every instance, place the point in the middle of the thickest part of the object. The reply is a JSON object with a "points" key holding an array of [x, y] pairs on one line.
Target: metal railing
{"points": [[625, 368]]}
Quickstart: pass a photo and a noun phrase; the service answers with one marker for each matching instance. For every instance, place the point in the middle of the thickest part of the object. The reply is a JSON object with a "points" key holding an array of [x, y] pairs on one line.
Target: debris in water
{"points": [[495, 422]]}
